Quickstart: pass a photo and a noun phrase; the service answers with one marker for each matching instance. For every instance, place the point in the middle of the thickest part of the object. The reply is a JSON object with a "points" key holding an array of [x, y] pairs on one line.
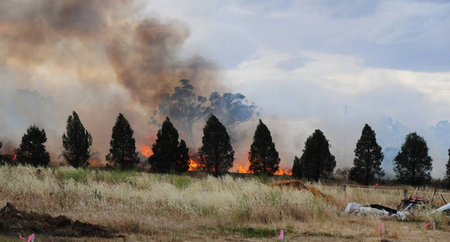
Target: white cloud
{"points": [[319, 89], [344, 75]]}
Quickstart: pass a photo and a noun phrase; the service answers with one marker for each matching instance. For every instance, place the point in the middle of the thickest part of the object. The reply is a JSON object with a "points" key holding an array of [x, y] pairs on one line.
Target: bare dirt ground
{"points": [[14, 221]]}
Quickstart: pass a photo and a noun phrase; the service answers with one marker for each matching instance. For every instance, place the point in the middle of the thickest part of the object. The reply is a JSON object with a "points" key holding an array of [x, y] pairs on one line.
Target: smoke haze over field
{"points": [[305, 64], [98, 59]]}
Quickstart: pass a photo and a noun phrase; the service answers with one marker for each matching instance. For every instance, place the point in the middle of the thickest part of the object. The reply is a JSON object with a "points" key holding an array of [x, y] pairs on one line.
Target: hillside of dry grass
{"points": [[145, 206]]}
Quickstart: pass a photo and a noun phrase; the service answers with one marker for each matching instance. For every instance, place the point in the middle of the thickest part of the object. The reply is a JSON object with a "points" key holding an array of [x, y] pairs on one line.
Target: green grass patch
{"points": [[330, 235], [181, 182], [251, 232], [78, 175], [9, 238], [116, 175], [264, 179]]}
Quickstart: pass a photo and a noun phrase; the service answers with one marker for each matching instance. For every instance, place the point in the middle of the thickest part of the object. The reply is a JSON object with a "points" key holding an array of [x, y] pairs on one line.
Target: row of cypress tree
{"points": [[76, 142], [169, 154], [412, 164], [216, 155]]}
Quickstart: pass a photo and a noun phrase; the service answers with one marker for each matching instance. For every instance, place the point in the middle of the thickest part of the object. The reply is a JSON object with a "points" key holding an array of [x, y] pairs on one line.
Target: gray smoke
{"points": [[93, 57]]}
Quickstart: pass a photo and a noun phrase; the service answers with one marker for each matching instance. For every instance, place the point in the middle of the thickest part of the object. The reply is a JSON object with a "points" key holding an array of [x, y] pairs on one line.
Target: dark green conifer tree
{"points": [[123, 146], [447, 171], [32, 149], [296, 168], [317, 160], [217, 154], [169, 155], [368, 158], [263, 156], [412, 164], [76, 142]]}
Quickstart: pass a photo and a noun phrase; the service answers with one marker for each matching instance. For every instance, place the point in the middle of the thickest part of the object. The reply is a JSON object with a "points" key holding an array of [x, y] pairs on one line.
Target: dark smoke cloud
{"points": [[148, 64], [142, 52], [98, 58]]}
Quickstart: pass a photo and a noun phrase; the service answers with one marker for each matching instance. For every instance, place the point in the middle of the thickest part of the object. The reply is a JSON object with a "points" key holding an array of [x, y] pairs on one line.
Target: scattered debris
{"points": [[413, 202], [281, 236], [407, 205], [431, 225], [297, 184], [444, 209], [28, 239], [381, 207], [358, 209], [13, 220], [381, 229]]}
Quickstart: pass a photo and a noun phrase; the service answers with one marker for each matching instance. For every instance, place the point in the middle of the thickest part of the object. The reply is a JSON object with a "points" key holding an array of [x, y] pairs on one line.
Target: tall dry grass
{"points": [[144, 203]]}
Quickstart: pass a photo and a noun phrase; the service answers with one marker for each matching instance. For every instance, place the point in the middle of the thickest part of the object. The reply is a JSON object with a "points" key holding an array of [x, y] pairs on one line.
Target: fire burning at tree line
{"points": [[146, 151], [238, 167]]}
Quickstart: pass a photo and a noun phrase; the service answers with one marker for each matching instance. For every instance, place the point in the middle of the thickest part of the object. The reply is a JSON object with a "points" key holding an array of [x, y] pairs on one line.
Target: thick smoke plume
{"points": [[143, 53], [98, 58]]}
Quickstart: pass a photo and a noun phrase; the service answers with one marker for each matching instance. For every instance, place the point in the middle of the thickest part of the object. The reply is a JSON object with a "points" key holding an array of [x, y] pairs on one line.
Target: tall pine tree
{"points": [[217, 154], [182, 161], [447, 171], [263, 156], [317, 160], [32, 149], [122, 149], [169, 155], [2, 162], [412, 163], [76, 142], [368, 157], [296, 168]]}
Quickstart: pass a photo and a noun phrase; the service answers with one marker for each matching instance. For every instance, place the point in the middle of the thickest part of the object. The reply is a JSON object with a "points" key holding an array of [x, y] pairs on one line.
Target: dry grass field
{"points": [[144, 207]]}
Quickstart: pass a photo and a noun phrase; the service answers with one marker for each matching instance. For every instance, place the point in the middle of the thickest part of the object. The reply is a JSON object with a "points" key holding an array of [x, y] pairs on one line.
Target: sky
{"points": [[303, 62], [329, 65]]}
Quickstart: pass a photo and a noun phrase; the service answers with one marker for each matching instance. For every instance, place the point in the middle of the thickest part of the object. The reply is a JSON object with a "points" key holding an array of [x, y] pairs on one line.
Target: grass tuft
{"points": [[330, 235], [251, 232]]}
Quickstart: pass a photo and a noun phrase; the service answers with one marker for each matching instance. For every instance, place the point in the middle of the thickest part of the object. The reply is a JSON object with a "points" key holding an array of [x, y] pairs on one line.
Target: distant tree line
{"points": [[412, 165]]}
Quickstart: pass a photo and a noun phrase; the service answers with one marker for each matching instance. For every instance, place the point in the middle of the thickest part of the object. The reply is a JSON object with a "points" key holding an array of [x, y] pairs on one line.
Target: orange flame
{"points": [[283, 171], [146, 151], [14, 157], [193, 165], [94, 163], [239, 168]]}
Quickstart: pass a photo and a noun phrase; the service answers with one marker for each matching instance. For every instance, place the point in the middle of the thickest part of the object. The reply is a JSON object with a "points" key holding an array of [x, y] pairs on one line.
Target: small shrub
{"points": [[97, 194]]}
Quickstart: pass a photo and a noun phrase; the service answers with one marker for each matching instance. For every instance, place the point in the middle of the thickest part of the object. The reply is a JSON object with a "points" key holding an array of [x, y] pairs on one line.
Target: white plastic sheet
{"points": [[358, 209]]}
